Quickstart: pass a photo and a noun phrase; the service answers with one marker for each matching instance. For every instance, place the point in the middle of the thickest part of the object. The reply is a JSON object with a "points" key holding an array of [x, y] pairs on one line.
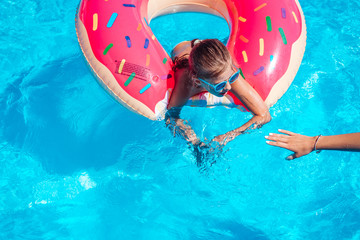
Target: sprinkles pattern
{"points": [[244, 39], [121, 65], [145, 88], [260, 7], [268, 23], [95, 21], [111, 20], [146, 45], [129, 5], [128, 81], [128, 41], [261, 40], [295, 18], [108, 48]]}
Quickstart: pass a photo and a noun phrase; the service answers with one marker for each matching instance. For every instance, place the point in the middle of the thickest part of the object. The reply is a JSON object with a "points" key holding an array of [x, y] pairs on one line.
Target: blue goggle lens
{"points": [[234, 77], [220, 86]]}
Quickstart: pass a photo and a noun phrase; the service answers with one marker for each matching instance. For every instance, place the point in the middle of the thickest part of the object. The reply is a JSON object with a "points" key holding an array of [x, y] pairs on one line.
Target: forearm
{"points": [[347, 142], [179, 127], [255, 122]]}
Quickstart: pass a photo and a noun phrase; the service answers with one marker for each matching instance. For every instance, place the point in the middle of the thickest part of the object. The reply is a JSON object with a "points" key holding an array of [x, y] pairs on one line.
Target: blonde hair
{"points": [[208, 58]]}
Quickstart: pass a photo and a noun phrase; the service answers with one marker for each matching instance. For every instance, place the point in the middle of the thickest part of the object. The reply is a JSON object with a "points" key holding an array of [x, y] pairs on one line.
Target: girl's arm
{"points": [[254, 103], [180, 127]]}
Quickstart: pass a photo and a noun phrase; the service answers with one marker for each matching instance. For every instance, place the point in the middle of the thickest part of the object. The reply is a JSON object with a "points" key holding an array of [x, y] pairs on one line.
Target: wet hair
{"points": [[181, 62], [208, 59]]}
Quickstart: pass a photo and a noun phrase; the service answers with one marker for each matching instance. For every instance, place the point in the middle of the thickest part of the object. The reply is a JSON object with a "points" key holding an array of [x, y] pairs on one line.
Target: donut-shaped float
{"points": [[267, 41]]}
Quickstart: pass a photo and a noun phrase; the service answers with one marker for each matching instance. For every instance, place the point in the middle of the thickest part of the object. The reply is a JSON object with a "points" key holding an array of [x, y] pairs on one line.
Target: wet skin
{"points": [[187, 86]]}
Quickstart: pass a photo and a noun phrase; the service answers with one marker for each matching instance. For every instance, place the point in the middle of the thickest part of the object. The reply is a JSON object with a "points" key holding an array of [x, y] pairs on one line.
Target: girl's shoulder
{"points": [[181, 49]]}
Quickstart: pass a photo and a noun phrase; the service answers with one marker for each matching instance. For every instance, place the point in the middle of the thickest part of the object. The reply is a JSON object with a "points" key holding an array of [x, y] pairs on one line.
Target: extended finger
{"points": [[277, 137], [286, 132], [278, 144], [291, 157]]}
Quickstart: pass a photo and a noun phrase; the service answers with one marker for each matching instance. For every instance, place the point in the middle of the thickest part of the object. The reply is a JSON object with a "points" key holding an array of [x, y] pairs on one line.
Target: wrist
{"points": [[236, 132], [196, 142], [316, 146]]}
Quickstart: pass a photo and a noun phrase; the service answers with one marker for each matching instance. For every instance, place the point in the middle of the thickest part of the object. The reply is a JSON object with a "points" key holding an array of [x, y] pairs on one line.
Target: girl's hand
{"points": [[301, 145], [223, 139], [220, 140]]}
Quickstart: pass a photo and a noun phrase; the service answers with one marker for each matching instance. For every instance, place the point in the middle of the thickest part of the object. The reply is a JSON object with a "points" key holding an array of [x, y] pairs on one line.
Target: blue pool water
{"points": [[74, 164]]}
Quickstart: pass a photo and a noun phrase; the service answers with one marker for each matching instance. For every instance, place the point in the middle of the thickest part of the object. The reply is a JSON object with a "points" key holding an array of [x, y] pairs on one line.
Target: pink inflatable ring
{"points": [[267, 40]]}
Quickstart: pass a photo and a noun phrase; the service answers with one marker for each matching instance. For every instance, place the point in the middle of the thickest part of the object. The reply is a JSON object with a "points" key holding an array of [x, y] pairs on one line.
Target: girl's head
{"points": [[210, 63]]}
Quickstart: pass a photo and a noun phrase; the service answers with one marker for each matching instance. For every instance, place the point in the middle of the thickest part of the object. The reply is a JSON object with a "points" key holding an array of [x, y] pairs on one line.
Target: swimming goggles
{"points": [[220, 86]]}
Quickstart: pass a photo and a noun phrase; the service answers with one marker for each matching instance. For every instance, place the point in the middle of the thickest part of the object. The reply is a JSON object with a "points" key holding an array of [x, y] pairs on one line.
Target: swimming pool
{"points": [[74, 164]]}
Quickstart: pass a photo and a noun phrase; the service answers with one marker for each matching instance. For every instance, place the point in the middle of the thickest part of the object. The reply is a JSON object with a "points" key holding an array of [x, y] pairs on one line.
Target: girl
{"points": [[206, 65]]}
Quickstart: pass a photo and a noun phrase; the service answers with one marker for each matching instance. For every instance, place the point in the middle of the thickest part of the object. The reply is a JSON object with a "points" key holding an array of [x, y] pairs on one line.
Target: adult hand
{"points": [[301, 145]]}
